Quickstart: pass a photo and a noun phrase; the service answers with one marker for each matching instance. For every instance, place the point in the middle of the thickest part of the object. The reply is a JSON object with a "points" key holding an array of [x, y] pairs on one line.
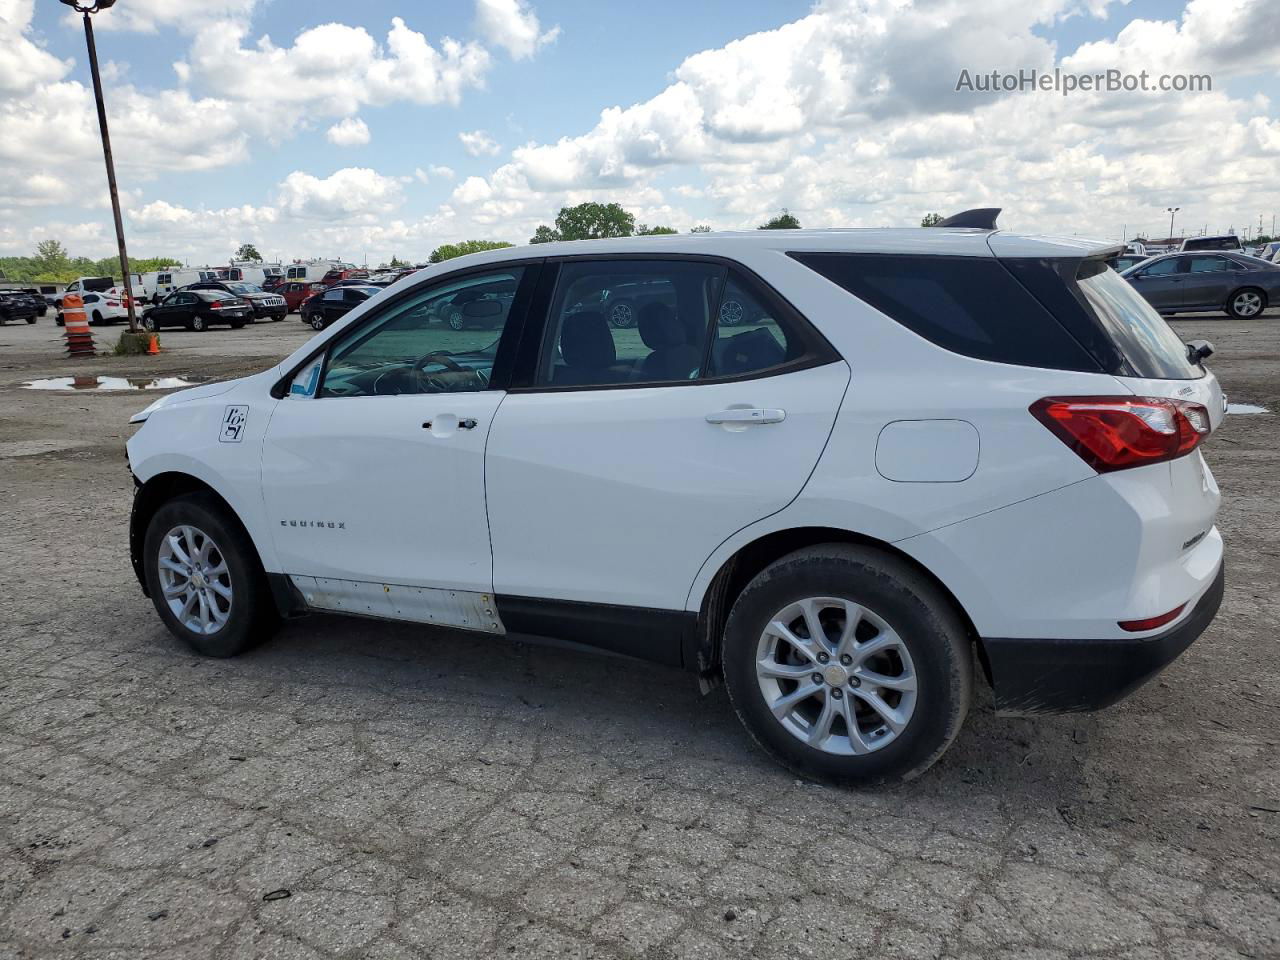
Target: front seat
{"points": [[587, 348], [673, 357]]}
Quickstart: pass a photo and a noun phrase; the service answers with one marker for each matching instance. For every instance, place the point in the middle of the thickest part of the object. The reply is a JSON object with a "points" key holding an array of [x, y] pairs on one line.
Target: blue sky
{"points": [[844, 111]]}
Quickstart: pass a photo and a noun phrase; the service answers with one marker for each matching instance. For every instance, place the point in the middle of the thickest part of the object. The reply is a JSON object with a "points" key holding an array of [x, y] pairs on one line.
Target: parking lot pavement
{"points": [[357, 789]]}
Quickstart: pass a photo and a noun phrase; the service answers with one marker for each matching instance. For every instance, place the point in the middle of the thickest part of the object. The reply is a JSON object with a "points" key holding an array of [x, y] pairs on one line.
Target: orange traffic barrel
{"points": [[79, 339]]}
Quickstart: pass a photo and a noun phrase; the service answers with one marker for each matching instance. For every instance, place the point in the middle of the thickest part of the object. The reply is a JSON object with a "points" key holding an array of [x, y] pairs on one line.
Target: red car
{"points": [[333, 276], [294, 292]]}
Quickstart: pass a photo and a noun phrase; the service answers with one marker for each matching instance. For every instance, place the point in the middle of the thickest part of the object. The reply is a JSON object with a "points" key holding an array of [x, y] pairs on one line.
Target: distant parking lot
{"points": [[359, 789]]}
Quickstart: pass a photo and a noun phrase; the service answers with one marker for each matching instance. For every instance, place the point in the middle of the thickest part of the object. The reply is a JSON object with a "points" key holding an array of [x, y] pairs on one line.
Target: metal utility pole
{"points": [[106, 148], [1171, 211]]}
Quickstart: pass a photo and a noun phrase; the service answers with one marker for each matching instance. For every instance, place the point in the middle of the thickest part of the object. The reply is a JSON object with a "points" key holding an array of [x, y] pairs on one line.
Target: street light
{"points": [[1169, 210], [87, 9]]}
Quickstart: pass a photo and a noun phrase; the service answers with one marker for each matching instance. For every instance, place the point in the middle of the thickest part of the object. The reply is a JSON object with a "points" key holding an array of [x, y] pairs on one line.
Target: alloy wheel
{"points": [[1247, 304], [836, 676], [195, 579]]}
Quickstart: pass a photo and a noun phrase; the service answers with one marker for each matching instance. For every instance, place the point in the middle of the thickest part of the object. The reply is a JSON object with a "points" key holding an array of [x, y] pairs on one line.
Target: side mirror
{"points": [[1199, 350]]}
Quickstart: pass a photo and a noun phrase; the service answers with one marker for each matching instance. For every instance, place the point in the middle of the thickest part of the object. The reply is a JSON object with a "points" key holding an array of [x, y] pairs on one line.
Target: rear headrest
{"points": [[585, 340], [659, 327]]}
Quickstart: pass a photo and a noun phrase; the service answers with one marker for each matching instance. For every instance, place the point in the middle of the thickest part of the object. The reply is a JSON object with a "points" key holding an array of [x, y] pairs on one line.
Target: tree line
{"points": [[51, 263]]}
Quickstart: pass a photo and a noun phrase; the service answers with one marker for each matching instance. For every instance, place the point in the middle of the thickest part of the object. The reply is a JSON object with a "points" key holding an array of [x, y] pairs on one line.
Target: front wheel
{"points": [[317, 323], [1247, 304], [204, 577], [847, 665], [149, 324]]}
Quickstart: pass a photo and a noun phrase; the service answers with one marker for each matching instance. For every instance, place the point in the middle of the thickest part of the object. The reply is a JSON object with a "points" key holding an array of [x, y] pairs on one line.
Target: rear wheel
{"points": [[198, 324], [623, 315], [1246, 304], [847, 665], [205, 579], [96, 319]]}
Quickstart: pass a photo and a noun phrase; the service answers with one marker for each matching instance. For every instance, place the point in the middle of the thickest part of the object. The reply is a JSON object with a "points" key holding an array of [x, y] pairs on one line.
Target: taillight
{"points": [[216, 305], [1114, 433], [1150, 623]]}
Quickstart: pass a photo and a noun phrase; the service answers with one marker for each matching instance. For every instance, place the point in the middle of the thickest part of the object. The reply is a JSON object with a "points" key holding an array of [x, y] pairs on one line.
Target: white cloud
{"points": [[512, 25], [348, 132], [334, 69], [479, 144], [147, 16], [350, 193], [24, 66]]}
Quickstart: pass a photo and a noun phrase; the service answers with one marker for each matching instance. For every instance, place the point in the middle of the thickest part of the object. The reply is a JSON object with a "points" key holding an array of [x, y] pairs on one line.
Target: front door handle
{"points": [[748, 415], [467, 424]]}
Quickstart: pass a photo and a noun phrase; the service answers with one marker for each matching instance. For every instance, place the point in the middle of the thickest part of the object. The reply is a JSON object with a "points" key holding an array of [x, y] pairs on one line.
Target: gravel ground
{"points": [[355, 789]]}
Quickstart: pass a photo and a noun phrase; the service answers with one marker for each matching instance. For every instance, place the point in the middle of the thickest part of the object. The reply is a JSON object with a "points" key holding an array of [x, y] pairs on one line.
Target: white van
{"points": [[158, 284], [309, 271]]}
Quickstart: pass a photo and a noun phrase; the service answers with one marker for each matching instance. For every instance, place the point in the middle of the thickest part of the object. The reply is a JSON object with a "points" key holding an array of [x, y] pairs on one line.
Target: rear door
{"points": [[628, 454], [1208, 280]]}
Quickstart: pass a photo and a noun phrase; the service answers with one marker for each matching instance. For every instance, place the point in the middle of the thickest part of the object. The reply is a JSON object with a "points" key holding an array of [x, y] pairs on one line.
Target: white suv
{"points": [[934, 443]]}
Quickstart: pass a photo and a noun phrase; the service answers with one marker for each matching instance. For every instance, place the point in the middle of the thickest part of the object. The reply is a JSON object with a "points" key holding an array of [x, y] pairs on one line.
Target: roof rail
{"points": [[980, 218]]}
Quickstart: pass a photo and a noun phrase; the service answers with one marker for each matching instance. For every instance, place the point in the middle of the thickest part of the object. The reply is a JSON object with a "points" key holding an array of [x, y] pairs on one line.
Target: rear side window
{"points": [[1148, 343], [968, 305]]}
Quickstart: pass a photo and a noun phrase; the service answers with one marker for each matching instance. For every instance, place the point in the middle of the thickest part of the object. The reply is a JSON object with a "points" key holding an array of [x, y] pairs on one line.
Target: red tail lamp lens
{"points": [[1115, 433]]}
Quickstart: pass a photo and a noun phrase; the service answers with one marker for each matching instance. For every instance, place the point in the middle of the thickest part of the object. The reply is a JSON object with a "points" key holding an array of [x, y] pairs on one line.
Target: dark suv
{"points": [[266, 306], [16, 305]]}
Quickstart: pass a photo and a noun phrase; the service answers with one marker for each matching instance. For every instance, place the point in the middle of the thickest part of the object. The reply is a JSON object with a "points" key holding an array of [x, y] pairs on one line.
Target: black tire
{"points": [[197, 324], [237, 325], [1238, 298], [252, 616], [31, 319], [277, 318], [96, 319], [927, 623], [149, 324], [317, 323], [622, 315]]}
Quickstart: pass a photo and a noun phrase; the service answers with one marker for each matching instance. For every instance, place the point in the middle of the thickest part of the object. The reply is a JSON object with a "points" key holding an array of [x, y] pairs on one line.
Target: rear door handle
{"points": [[748, 415]]}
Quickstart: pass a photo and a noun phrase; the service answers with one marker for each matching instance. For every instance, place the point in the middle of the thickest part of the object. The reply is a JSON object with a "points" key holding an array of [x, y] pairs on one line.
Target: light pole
{"points": [[86, 9], [1169, 210]]}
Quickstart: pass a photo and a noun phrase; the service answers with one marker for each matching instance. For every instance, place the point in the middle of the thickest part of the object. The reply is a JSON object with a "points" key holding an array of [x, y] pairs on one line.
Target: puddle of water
{"points": [[1246, 408], [113, 383]]}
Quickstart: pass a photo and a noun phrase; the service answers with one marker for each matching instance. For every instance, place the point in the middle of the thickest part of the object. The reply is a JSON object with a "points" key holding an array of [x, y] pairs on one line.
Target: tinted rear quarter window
{"points": [[968, 305], [1147, 341]]}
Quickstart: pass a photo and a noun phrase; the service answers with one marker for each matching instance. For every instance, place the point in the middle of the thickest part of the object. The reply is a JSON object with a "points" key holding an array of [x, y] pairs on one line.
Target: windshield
{"points": [[1147, 341]]}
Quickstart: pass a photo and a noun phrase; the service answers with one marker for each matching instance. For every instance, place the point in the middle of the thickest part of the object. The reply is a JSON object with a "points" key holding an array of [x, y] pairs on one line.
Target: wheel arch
{"points": [[703, 652], [155, 493]]}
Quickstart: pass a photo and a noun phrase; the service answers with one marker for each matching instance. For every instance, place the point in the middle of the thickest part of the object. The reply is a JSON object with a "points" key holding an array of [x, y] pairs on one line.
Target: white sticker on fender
{"points": [[233, 422]]}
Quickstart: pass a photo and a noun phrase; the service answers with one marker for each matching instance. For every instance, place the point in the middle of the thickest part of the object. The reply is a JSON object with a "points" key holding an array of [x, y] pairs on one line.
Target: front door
{"points": [[177, 308], [1161, 283], [1209, 279], [373, 469], [638, 449]]}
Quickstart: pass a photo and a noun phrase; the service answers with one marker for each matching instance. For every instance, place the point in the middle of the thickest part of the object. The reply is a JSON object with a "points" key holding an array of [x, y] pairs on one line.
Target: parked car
{"points": [[101, 309], [198, 310], [334, 303], [1239, 285], [273, 282], [15, 305], [296, 292], [1020, 475], [266, 306], [1226, 242], [379, 281], [346, 273], [1123, 261], [31, 294], [86, 285]]}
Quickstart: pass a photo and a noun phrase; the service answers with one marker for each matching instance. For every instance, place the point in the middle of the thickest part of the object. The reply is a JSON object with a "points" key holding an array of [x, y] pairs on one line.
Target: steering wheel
{"points": [[432, 383], [439, 357]]}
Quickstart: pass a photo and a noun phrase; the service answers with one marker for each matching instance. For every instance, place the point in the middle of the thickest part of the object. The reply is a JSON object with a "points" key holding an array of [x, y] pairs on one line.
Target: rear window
{"points": [[968, 305], [1150, 345]]}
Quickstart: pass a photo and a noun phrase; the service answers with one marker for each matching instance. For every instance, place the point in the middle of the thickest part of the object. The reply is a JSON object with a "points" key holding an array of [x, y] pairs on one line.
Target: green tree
{"points": [[931, 220], [701, 228], [587, 221], [783, 221], [447, 251], [248, 251], [644, 230], [51, 257]]}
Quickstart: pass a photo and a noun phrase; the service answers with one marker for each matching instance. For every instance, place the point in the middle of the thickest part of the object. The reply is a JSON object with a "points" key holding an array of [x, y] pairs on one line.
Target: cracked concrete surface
{"points": [[432, 794]]}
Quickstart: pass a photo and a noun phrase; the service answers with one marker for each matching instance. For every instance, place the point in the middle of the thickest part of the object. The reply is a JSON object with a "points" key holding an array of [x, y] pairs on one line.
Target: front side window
{"points": [[1162, 268], [617, 322], [442, 340], [333, 296]]}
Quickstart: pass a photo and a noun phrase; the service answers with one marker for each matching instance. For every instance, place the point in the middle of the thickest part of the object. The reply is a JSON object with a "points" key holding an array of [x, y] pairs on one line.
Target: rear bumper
{"points": [[1074, 676]]}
